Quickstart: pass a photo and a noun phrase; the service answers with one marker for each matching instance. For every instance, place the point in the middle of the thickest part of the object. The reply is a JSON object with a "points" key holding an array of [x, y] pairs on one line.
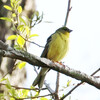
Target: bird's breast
{"points": [[58, 47]]}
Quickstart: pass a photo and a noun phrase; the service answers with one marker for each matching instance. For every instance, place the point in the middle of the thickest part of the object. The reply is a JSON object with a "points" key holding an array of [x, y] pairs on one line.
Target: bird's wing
{"points": [[45, 51]]}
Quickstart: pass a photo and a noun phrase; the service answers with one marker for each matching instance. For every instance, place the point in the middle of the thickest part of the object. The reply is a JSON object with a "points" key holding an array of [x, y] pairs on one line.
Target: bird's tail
{"points": [[40, 78]]}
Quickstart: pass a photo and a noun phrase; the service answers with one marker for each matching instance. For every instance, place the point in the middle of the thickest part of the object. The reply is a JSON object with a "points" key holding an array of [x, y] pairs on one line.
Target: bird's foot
{"points": [[61, 63]]}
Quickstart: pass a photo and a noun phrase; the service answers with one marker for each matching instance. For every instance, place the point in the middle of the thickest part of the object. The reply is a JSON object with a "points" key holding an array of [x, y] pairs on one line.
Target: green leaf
{"points": [[7, 7], [3, 79], [13, 92], [32, 35], [8, 84], [5, 18], [37, 94], [19, 9], [22, 93], [21, 65], [22, 20], [17, 47], [25, 93], [20, 26], [37, 13], [13, 15], [1, 96], [12, 37], [20, 41], [12, 98], [12, 1], [12, 4], [68, 83], [43, 98], [27, 30]]}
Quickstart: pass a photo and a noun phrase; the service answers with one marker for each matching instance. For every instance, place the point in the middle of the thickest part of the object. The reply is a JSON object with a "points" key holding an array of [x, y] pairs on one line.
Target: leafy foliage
{"points": [[21, 65], [12, 37], [12, 92], [21, 25]]}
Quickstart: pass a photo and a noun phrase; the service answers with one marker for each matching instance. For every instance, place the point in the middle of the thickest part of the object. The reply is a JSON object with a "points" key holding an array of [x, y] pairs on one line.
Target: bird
{"points": [[55, 49]]}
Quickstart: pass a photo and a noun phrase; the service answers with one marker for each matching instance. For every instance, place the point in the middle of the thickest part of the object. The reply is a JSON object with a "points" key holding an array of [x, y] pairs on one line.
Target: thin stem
{"points": [[96, 76], [78, 85], [57, 87], [16, 87], [31, 97], [67, 14]]}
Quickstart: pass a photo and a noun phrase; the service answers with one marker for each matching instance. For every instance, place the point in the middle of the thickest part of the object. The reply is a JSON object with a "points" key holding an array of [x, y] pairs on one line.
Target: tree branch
{"points": [[77, 86], [7, 51]]}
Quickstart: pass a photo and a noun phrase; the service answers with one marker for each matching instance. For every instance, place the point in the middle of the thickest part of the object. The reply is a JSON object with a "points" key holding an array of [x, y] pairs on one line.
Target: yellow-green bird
{"points": [[55, 50]]}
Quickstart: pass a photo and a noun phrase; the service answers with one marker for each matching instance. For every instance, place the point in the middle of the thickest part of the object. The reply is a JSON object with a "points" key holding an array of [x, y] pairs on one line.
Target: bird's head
{"points": [[66, 31]]}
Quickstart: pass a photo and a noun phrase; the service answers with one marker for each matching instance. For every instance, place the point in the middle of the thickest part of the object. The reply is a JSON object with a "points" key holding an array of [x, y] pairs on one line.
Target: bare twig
{"points": [[67, 14], [34, 43], [49, 89], [16, 87], [95, 72], [57, 87], [96, 76], [31, 97], [78, 85]]}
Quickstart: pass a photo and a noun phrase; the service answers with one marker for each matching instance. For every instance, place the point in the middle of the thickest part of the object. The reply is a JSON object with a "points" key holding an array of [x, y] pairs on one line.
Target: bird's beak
{"points": [[70, 30]]}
